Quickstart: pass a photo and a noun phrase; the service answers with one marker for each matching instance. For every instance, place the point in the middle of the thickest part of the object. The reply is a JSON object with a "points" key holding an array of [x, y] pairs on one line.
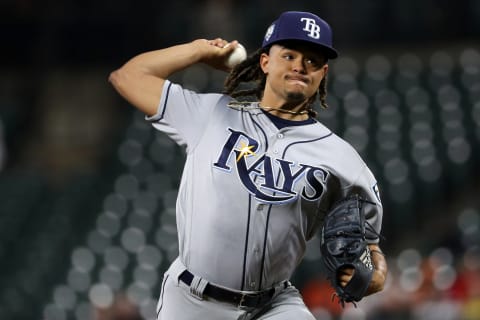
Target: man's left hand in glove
{"points": [[379, 274]]}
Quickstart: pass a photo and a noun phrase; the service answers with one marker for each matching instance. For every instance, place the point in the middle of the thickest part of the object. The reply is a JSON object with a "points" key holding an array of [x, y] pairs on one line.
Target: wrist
{"points": [[377, 252], [198, 50]]}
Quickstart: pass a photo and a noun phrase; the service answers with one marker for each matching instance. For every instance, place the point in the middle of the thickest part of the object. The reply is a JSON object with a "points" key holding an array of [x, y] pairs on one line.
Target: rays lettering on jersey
{"points": [[258, 176]]}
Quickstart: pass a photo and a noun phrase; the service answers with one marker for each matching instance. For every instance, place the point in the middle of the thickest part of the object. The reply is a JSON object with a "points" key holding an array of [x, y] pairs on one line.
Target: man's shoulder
{"points": [[186, 93]]}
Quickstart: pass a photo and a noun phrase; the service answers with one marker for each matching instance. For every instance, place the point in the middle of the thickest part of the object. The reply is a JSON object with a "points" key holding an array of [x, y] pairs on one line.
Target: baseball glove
{"points": [[343, 245]]}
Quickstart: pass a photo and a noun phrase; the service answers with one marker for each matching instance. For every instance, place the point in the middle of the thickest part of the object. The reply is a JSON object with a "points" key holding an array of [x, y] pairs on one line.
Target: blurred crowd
{"points": [[430, 289], [440, 284]]}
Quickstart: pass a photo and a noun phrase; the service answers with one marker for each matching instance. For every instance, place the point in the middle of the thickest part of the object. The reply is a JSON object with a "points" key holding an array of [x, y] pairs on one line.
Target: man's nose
{"points": [[299, 65]]}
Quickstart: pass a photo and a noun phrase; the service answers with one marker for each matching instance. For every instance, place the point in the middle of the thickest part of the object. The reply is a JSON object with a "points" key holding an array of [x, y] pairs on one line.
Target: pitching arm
{"points": [[141, 79]]}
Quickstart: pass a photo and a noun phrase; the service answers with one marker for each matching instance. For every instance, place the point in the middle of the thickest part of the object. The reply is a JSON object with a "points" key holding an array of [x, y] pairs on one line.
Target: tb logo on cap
{"points": [[311, 27]]}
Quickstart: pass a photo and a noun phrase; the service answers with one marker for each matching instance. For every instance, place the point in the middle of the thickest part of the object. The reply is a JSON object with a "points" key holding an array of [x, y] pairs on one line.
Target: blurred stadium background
{"points": [[87, 187]]}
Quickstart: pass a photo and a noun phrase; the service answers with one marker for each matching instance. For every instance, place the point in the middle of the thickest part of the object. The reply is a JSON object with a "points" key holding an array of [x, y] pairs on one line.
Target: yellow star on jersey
{"points": [[245, 150]]}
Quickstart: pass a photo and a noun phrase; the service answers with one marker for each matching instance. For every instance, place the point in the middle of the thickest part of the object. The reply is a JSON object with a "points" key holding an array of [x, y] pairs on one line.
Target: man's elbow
{"points": [[124, 80], [117, 78]]}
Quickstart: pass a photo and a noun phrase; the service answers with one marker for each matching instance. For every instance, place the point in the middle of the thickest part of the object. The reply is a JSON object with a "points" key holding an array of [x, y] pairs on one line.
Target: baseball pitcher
{"points": [[261, 176]]}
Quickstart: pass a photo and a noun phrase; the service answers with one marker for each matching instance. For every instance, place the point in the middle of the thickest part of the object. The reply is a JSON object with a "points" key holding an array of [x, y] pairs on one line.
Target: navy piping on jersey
{"points": [[166, 100], [247, 233], [307, 141], [270, 206], [262, 267], [163, 292], [250, 208], [262, 130]]}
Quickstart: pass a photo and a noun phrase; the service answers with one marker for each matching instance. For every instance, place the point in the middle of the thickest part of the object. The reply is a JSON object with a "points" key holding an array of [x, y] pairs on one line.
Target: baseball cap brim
{"points": [[329, 52]]}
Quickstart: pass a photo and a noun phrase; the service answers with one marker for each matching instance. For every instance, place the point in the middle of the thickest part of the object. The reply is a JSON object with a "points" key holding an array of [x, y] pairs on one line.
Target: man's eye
{"points": [[314, 62]]}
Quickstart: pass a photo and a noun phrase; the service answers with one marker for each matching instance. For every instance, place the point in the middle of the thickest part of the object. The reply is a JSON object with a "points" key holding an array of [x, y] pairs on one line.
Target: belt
{"points": [[249, 300]]}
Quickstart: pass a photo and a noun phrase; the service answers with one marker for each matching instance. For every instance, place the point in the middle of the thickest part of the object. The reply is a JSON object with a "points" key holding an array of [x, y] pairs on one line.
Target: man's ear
{"points": [[264, 59], [325, 69]]}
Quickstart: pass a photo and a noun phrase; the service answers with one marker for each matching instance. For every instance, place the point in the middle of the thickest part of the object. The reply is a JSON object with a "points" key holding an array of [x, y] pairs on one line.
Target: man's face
{"points": [[294, 72]]}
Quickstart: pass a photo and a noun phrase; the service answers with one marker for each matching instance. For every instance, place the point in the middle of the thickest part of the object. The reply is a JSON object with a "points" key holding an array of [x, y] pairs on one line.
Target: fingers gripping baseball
{"points": [[219, 42], [216, 53]]}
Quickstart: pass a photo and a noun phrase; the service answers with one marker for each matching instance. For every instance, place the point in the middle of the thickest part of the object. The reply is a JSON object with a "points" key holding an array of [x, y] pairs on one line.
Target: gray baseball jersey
{"points": [[252, 195]]}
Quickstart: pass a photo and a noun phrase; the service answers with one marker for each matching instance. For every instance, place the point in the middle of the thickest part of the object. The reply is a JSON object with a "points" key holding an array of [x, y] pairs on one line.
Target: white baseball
{"points": [[237, 56]]}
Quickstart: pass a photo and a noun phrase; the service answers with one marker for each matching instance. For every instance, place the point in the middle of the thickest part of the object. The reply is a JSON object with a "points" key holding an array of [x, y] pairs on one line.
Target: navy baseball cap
{"points": [[302, 26]]}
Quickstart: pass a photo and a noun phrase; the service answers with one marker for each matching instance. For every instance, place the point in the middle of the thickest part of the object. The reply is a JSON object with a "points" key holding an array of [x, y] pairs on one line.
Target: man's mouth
{"points": [[296, 79]]}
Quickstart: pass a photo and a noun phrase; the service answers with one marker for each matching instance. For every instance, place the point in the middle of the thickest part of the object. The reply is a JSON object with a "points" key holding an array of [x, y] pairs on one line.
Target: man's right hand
{"points": [[215, 52]]}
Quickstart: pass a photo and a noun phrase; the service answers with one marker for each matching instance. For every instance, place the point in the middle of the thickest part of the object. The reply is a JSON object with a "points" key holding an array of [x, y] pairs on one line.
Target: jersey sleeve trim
{"points": [[162, 106]]}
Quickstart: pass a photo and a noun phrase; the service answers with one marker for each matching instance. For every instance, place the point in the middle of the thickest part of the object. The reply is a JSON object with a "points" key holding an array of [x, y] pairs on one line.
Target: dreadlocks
{"points": [[249, 71]]}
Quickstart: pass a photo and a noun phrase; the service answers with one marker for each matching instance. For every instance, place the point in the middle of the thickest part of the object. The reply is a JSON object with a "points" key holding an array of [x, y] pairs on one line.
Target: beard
{"points": [[296, 97]]}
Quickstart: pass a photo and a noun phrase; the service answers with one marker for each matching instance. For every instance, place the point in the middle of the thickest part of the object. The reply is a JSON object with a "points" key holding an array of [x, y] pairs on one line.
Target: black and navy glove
{"points": [[343, 245]]}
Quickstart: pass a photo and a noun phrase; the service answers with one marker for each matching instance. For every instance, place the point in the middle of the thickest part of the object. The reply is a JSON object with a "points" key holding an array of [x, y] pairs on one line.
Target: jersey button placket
{"points": [[279, 136]]}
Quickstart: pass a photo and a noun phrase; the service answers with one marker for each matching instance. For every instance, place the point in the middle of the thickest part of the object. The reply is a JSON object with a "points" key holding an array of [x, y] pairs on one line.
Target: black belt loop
{"points": [[250, 300]]}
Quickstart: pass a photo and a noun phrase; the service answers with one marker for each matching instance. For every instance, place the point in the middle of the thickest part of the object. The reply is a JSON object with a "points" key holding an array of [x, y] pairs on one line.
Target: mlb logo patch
{"points": [[376, 191], [269, 32]]}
